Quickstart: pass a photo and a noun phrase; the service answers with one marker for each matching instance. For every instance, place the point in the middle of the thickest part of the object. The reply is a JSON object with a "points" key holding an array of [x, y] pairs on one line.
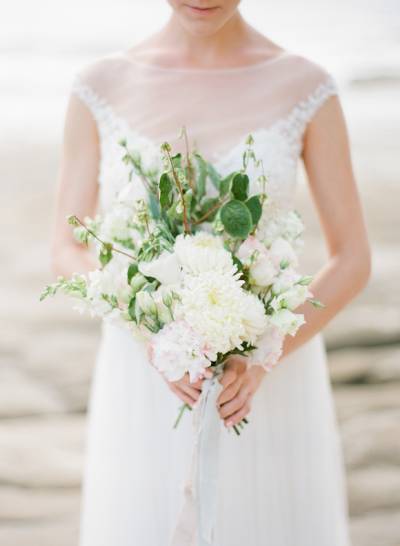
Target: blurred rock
{"points": [[21, 395], [376, 529], [365, 365], [42, 453], [372, 439], [374, 489]]}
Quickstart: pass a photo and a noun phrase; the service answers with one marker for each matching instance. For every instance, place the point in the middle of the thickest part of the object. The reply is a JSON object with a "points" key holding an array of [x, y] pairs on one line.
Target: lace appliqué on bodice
{"points": [[279, 145]]}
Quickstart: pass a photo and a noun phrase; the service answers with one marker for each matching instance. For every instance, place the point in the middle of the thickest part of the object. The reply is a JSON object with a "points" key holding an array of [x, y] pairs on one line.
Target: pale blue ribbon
{"points": [[198, 515]]}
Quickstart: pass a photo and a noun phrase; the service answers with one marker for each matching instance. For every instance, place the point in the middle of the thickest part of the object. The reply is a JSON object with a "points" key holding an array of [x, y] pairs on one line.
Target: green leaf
{"points": [[306, 280], [214, 176], [236, 219], [201, 176], [132, 270], [154, 207], [132, 308], [165, 186], [316, 303], [177, 160], [105, 254], [225, 184], [254, 206], [240, 186], [207, 205]]}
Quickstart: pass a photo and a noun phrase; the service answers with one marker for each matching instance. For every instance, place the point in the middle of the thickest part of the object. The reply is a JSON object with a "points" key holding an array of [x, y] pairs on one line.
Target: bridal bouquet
{"points": [[199, 277]]}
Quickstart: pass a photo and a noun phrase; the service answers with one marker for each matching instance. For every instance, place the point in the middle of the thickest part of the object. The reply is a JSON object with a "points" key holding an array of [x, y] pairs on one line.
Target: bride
{"points": [[282, 482]]}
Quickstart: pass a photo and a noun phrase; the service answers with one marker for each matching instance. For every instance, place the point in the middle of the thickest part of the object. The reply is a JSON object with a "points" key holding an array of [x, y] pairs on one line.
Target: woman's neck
{"points": [[220, 48]]}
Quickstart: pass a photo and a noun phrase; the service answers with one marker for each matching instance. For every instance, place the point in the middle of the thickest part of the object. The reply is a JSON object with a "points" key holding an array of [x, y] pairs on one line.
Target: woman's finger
{"points": [[229, 392], [230, 408], [183, 396], [238, 416], [190, 391], [228, 377]]}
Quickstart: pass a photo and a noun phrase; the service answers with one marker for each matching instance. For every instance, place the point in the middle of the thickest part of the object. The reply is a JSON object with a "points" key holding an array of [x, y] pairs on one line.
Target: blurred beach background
{"points": [[47, 351]]}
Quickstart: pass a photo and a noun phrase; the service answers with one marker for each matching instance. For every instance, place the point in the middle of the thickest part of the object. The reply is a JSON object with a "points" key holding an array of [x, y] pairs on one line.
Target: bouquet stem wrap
{"points": [[198, 516]]}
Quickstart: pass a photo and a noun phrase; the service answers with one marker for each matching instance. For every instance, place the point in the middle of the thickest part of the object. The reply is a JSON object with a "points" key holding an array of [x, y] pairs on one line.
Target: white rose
{"points": [[282, 251], [287, 321], [292, 298], [286, 279], [269, 348], [263, 271], [165, 268]]}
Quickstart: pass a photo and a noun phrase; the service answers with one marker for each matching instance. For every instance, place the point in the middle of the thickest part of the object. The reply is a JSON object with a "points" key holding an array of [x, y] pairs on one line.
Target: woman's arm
{"points": [[328, 164], [77, 188], [327, 160]]}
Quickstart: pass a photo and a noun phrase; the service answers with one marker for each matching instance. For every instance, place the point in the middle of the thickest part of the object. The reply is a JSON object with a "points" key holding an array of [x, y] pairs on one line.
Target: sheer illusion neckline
{"points": [[203, 70]]}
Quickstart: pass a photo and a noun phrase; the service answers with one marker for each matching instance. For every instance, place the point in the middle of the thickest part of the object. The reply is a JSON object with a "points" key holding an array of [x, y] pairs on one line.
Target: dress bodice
{"points": [[147, 105]]}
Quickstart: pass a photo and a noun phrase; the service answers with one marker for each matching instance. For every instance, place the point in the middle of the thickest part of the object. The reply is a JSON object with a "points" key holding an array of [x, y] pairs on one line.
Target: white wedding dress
{"points": [[281, 483]]}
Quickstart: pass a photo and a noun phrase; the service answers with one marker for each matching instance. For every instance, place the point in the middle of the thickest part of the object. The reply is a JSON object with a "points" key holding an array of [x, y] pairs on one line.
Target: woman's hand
{"points": [[188, 392], [240, 382]]}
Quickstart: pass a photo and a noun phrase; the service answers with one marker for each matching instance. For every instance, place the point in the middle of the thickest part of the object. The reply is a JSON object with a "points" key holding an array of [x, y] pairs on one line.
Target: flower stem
{"points": [[179, 186], [82, 224], [182, 410], [210, 211]]}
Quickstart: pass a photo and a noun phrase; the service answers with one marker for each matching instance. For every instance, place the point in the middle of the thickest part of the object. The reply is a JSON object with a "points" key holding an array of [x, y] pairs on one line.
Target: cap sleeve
{"points": [[90, 83]]}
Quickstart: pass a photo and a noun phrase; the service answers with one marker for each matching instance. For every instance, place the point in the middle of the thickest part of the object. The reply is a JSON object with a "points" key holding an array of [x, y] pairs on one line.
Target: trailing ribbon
{"points": [[198, 516]]}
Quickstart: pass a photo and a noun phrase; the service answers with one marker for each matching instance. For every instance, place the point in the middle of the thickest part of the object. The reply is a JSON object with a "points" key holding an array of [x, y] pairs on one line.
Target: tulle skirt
{"points": [[281, 483]]}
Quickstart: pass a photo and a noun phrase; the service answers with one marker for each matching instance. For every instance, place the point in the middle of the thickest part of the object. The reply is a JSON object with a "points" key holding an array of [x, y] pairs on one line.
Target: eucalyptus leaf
{"points": [[240, 186], [255, 208], [236, 219]]}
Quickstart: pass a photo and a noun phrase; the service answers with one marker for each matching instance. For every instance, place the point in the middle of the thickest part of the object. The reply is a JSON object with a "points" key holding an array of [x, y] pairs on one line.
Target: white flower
{"points": [[202, 252], [287, 321], [286, 279], [282, 251], [178, 349], [165, 301], [146, 303], [292, 298], [165, 268], [116, 225], [131, 192], [277, 221], [258, 258], [103, 284], [269, 348], [218, 308]]}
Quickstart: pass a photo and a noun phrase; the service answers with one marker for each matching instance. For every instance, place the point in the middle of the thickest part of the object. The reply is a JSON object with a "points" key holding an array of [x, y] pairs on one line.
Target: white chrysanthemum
{"points": [[178, 349], [218, 308], [202, 252]]}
